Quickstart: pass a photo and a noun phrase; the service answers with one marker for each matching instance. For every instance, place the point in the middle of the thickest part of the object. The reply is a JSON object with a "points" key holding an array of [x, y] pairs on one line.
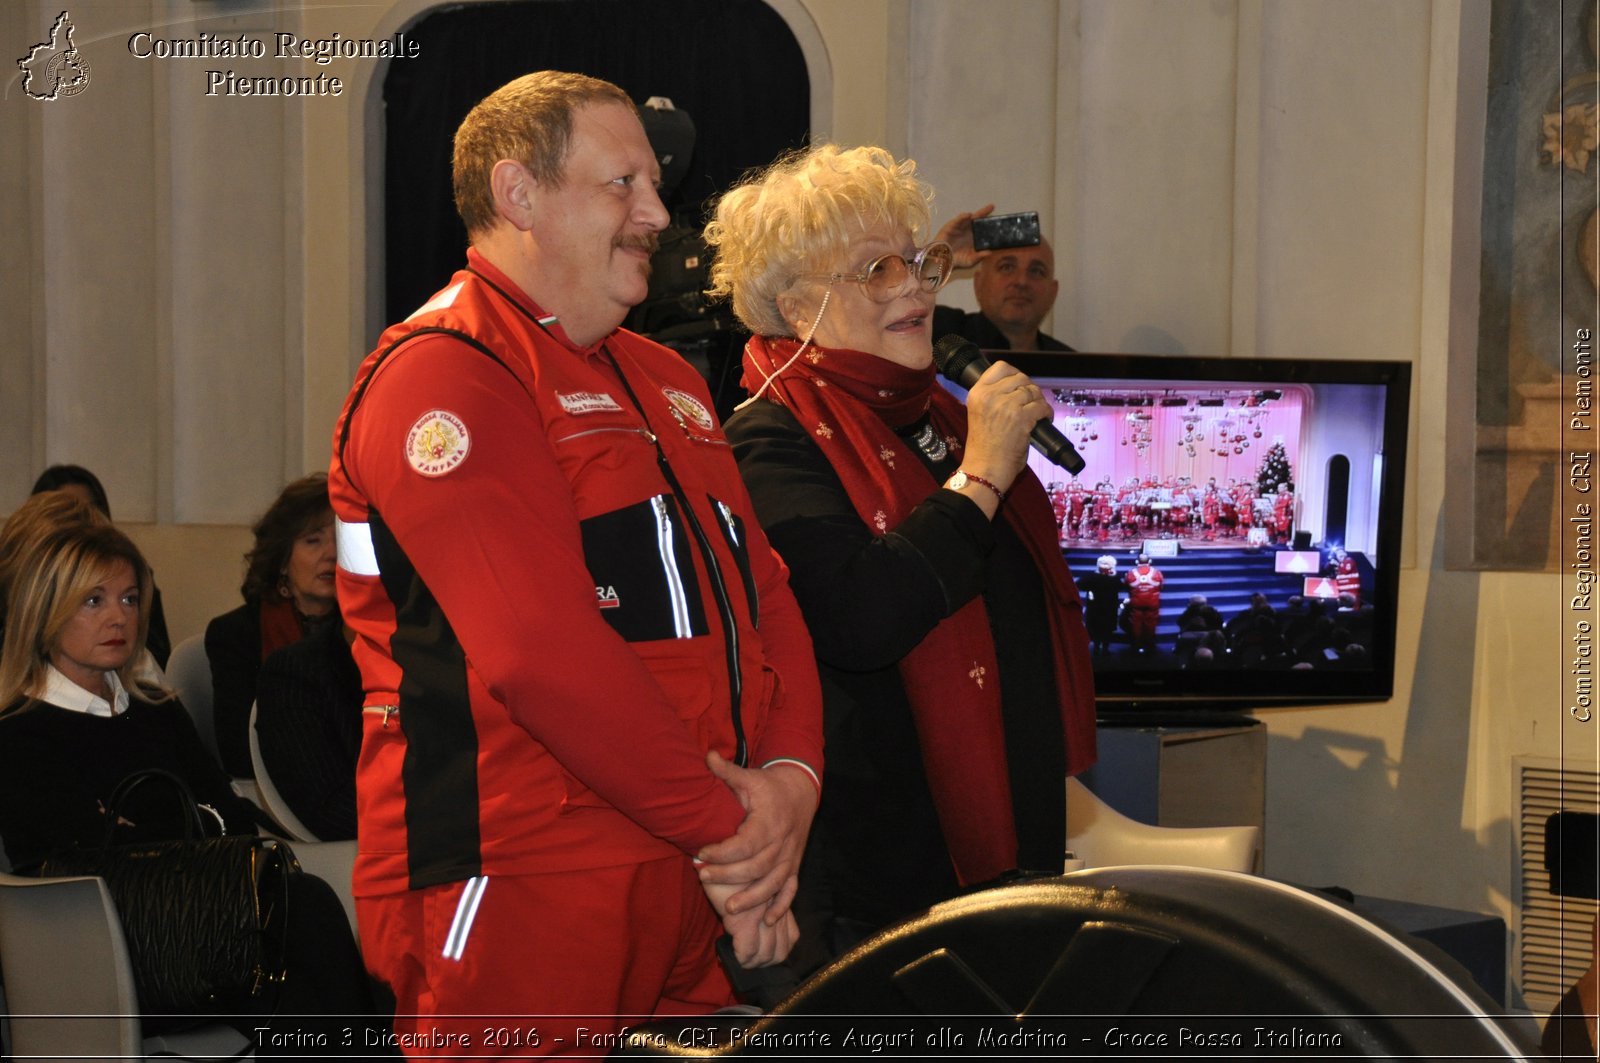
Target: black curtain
{"points": [[733, 65]]}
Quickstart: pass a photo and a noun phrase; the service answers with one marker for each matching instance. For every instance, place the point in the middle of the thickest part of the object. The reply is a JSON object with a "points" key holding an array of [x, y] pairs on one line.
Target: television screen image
{"points": [[1297, 561], [1235, 532]]}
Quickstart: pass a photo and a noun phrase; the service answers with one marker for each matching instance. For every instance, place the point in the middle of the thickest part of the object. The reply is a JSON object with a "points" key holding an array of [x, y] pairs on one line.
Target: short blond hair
{"points": [[46, 591], [796, 217], [528, 121]]}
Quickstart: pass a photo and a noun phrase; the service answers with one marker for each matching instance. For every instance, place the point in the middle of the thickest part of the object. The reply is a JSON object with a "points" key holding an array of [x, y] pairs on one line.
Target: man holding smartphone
{"points": [[1015, 282]]}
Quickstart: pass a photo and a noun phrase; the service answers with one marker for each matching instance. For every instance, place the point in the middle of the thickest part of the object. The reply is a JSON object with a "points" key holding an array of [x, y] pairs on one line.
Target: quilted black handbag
{"points": [[205, 918]]}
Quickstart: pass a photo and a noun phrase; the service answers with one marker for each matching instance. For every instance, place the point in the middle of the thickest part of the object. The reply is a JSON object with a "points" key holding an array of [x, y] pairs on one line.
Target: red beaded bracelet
{"points": [[959, 480]]}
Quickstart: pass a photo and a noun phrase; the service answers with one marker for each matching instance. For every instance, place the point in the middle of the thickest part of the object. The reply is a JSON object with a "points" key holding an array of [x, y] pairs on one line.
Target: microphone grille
{"points": [[953, 353]]}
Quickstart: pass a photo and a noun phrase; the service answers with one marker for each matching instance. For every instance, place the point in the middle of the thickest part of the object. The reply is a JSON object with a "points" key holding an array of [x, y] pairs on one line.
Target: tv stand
{"points": [[1196, 717], [1183, 769]]}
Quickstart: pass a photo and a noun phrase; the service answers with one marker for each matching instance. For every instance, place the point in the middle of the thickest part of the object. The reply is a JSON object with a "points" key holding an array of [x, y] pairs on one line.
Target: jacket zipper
{"points": [[645, 432], [719, 587], [726, 512]]}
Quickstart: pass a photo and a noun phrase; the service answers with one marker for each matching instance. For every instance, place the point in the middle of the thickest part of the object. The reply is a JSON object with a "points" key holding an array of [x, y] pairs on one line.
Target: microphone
{"points": [[959, 359]]}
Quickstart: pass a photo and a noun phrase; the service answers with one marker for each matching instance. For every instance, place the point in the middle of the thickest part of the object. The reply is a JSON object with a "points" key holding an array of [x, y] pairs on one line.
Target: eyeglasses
{"points": [[885, 276]]}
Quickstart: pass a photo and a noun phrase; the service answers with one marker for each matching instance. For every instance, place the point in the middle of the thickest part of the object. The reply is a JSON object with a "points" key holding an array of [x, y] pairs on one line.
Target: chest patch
{"points": [[437, 443], [576, 402], [690, 407]]}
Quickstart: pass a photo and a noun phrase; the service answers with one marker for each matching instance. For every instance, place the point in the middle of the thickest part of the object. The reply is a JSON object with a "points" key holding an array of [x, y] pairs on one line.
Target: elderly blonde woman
{"points": [[957, 685]]}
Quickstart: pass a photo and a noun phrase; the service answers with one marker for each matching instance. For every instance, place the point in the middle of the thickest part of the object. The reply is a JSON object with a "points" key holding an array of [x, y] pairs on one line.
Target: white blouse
{"points": [[63, 693]]}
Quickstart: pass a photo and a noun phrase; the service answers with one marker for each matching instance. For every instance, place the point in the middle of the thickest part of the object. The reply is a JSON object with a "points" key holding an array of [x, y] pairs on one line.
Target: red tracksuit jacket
{"points": [[560, 594]]}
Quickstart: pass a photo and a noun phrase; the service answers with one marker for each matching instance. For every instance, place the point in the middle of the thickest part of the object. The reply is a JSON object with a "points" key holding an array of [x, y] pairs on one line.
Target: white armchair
{"points": [[1101, 836], [267, 795], [69, 982]]}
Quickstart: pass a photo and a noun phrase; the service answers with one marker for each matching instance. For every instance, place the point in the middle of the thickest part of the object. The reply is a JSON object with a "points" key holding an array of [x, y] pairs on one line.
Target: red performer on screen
{"points": [[1128, 505], [1210, 510], [1058, 506], [1244, 500], [1077, 498], [1104, 511], [1347, 576], [1182, 506], [1144, 602], [1283, 514]]}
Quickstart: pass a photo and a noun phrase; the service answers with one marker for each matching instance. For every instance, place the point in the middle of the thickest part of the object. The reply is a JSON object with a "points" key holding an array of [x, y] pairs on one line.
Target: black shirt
{"points": [[876, 850], [58, 768]]}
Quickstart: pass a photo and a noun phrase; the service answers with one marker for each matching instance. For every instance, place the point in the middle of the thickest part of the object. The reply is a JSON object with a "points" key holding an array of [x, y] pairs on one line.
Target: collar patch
{"points": [[690, 407], [437, 443], [576, 402]]}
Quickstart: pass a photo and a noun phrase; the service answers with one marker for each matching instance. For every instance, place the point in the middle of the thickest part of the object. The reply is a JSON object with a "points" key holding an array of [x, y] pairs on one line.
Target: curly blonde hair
{"points": [[798, 215]]}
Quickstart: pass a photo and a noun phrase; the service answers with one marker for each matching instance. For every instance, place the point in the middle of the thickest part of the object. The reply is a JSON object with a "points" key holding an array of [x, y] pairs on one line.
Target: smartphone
{"points": [[1006, 230]]}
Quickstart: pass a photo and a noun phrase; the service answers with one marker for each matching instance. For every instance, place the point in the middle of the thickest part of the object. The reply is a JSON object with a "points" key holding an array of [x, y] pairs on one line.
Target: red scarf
{"points": [[851, 403], [280, 625]]}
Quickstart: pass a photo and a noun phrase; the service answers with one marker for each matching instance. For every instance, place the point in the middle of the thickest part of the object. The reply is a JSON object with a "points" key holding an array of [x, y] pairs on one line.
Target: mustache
{"points": [[649, 242]]}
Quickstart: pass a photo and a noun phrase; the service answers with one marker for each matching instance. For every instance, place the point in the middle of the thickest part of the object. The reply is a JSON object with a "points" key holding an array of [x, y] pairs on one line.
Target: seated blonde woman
{"points": [[76, 718], [955, 666]]}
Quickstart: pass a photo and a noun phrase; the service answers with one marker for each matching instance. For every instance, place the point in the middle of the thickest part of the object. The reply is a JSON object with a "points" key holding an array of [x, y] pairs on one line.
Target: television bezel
{"points": [[1231, 691]]}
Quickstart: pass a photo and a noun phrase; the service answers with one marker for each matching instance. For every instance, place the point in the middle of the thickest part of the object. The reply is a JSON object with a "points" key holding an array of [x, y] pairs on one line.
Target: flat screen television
{"points": [[1267, 496]]}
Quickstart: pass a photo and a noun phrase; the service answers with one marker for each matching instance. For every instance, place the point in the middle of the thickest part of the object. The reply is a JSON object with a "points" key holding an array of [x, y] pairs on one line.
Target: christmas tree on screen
{"points": [[1274, 470]]}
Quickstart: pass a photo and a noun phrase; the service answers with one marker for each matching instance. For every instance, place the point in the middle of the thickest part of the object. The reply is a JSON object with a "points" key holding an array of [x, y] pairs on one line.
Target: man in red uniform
{"points": [[1104, 511], [1347, 576], [582, 757], [1144, 603], [1283, 514], [1182, 506], [1128, 508], [1244, 501], [1078, 497], [1058, 503]]}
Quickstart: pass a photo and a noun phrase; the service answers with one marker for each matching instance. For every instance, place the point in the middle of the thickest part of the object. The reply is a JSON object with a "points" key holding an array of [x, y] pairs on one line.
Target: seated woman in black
{"points": [[78, 719], [308, 721], [288, 593]]}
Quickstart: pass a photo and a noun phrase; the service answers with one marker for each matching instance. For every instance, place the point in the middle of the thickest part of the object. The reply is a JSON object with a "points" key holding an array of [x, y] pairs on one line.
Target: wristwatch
{"points": [[962, 477]]}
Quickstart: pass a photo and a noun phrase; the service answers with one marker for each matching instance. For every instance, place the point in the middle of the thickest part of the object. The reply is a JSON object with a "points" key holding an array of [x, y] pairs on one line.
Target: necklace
{"points": [[931, 443]]}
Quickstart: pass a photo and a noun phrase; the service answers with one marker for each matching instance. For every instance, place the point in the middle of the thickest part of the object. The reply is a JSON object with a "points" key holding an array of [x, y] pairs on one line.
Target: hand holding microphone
{"points": [[1000, 400]]}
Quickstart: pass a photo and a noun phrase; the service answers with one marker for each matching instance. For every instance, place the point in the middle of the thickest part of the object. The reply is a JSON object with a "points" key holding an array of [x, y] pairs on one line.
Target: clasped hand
{"points": [[751, 877]]}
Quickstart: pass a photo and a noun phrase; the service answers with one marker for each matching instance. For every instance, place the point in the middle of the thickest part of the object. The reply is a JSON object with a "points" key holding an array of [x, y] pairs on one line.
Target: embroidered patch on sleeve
{"points": [[690, 407], [438, 443]]}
